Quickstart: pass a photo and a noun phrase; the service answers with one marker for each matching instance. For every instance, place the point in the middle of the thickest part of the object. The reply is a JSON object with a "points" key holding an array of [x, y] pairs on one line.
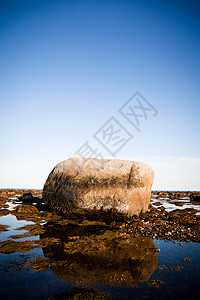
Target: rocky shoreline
{"points": [[99, 248], [178, 224]]}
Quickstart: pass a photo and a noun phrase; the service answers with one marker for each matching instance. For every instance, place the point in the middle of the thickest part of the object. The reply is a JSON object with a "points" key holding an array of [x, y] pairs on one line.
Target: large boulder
{"points": [[96, 184]]}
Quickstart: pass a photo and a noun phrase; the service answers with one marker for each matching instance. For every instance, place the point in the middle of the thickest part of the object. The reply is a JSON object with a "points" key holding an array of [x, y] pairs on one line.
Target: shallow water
{"points": [[13, 223], [183, 284], [171, 205], [124, 271]]}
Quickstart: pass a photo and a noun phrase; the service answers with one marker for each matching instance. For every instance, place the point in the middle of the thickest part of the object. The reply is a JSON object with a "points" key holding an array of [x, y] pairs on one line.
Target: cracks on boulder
{"points": [[134, 179], [129, 178]]}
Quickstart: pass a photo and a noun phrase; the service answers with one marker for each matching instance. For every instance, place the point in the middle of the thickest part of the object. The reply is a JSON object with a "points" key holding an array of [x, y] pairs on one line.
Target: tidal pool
{"points": [[129, 268]]}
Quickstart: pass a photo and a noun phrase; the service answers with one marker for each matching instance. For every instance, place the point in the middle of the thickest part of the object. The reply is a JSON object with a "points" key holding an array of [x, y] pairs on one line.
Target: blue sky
{"points": [[68, 66]]}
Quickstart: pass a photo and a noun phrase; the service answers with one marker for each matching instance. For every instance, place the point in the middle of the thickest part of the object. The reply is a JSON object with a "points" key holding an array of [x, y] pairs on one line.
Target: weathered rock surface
{"points": [[94, 184]]}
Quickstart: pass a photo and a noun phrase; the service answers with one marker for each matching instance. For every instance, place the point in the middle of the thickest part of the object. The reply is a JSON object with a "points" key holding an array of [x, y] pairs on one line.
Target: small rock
{"points": [[26, 209], [26, 197], [195, 198]]}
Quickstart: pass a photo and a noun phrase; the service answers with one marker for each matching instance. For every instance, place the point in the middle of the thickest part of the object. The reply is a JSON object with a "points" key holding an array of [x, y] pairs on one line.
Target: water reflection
{"points": [[13, 223], [94, 254]]}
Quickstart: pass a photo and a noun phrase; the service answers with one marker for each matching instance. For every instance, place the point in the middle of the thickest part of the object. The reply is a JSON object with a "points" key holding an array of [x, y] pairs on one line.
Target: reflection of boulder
{"points": [[95, 255]]}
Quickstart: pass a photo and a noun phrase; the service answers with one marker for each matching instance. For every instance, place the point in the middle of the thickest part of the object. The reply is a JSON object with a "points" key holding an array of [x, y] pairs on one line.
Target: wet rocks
{"points": [[195, 198], [155, 283], [180, 225], [93, 184], [179, 203], [9, 246], [33, 200], [157, 222], [172, 195], [27, 197], [27, 209], [3, 227]]}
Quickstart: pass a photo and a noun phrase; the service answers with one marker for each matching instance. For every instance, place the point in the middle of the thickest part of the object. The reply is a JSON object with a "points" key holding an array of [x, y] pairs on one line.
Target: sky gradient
{"points": [[67, 67]]}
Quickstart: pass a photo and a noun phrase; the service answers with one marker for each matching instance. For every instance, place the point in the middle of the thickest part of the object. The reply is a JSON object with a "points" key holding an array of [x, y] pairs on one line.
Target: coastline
{"points": [[129, 253]]}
